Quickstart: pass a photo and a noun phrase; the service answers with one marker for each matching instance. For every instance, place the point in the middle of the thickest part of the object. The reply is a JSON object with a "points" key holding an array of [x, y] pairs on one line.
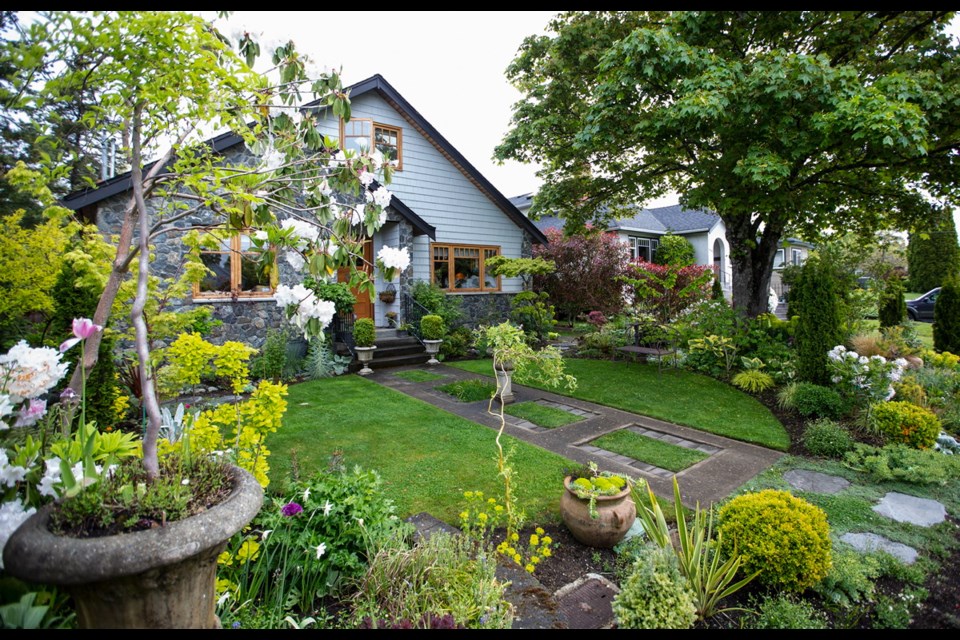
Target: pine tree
{"points": [[933, 253], [892, 309], [817, 303], [946, 316]]}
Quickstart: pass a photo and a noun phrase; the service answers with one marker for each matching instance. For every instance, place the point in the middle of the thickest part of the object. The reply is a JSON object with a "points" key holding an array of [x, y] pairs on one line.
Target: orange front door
{"points": [[363, 305]]}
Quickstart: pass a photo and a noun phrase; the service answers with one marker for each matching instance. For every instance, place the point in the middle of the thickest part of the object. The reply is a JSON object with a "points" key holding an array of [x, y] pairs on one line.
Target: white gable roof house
{"points": [[448, 215]]}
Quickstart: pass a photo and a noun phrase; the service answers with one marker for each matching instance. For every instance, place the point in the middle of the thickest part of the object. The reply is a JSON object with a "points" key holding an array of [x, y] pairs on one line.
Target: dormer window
{"points": [[362, 134]]}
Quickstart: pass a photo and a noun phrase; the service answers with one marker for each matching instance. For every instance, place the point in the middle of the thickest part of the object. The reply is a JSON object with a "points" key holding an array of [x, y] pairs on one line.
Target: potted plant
{"points": [[432, 331], [388, 295], [364, 340], [391, 317], [597, 506]]}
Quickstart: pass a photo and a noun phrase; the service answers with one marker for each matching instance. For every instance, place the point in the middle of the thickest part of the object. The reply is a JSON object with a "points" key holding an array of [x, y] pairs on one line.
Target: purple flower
{"points": [[83, 328], [291, 509]]}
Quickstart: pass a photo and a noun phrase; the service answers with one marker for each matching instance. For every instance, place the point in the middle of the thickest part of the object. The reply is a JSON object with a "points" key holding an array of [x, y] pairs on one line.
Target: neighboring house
{"points": [[705, 230], [443, 210]]}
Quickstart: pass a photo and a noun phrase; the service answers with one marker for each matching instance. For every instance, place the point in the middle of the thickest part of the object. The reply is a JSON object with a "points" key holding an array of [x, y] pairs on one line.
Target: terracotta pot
{"points": [[159, 578], [616, 514]]}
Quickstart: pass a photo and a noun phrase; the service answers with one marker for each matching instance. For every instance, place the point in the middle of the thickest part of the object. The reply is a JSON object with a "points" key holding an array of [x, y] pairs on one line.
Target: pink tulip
{"points": [[83, 328]]}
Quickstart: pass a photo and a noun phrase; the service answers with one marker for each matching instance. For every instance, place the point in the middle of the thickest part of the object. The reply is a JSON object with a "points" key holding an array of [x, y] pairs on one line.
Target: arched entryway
{"points": [[718, 261]]}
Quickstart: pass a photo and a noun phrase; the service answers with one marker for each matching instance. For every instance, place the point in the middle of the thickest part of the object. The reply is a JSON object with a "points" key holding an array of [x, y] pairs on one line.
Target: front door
{"points": [[363, 305]]}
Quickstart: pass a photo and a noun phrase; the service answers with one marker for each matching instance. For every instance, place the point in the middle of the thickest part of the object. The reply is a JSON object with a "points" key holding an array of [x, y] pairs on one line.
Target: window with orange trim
{"points": [[363, 134], [234, 268], [461, 268]]}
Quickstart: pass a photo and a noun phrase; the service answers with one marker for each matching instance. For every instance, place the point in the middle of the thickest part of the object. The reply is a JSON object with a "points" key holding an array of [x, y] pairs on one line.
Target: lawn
{"points": [[427, 457], [538, 414], [469, 390], [416, 375], [650, 450], [924, 330], [672, 395]]}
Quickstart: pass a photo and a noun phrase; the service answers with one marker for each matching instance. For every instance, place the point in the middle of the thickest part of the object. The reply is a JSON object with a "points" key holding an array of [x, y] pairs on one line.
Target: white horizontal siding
{"points": [[439, 193]]}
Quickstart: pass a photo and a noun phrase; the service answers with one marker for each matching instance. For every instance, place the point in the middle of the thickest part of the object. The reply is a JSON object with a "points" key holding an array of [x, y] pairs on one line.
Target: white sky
{"points": [[450, 65]]}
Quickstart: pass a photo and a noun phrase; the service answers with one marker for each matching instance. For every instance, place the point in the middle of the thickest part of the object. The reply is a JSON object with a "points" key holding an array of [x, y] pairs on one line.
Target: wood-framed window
{"points": [[234, 268], [643, 248], [363, 133], [461, 268]]}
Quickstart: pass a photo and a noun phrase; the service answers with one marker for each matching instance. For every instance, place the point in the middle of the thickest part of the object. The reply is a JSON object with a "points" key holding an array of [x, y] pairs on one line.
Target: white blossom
{"points": [[28, 372], [394, 258], [304, 233], [326, 508], [366, 178], [51, 478], [295, 260], [321, 549], [12, 515], [272, 160], [382, 197]]}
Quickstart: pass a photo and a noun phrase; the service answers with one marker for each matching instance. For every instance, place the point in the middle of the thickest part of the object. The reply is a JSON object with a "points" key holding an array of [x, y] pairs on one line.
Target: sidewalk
{"points": [[730, 463]]}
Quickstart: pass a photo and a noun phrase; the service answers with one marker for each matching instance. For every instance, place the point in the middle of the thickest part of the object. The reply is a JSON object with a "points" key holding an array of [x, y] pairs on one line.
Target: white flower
{"points": [[272, 160], [10, 474], [295, 260], [29, 372], [326, 508], [223, 598], [382, 197], [260, 235], [12, 515], [366, 178], [321, 549], [394, 258], [185, 481], [291, 296], [304, 233], [306, 494], [356, 216], [266, 534], [51, 477]]}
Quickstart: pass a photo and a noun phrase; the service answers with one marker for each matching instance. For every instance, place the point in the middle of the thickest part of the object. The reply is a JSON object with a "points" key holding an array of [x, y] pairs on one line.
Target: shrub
{"points": [[898, 462], [892, 309], [322, 362], [437, 303], [946, 316], [675, 250], [817, 303], [827, 439], [587, 272], [322, 532], [851, 578], [457, 343], [432, 327], [785, 538], [602, 342], [909, 390], [787, 612], [813, 400], [406, 587], [906, 423], [364, 332], [655, 595], [272, 361], [753, 381], [338, 293], [535, 314]]}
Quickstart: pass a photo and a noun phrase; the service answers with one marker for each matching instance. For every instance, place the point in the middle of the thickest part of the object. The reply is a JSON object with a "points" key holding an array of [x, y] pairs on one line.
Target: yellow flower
{"points": [[540, 531], [468, 494], [464, 515], [534, 540], [547, 540], [514, 536], [530, 568], [482, 517], [248, 551], [225, 559], [498, 508], [534, 559], [517, 558], [546, 553], [492, 500]]}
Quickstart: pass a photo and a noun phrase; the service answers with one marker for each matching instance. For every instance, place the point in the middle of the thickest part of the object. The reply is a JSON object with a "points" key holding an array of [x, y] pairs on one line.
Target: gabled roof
{"points": [[659, 220], [377, 84]]}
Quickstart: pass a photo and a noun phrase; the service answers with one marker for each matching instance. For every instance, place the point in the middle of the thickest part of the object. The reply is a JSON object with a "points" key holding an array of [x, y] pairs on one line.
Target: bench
{"points": [[645, 352]]}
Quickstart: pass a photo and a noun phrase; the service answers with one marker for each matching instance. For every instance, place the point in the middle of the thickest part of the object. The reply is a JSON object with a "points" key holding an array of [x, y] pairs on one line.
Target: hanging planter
{"points": [[389, 294]]}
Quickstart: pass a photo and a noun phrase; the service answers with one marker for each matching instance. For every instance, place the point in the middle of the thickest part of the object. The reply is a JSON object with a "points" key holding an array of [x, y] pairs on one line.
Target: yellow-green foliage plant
{"points": [[782, 537], [905, 423], [697, 551], [190, 358], [753, 381], [655, 595]]}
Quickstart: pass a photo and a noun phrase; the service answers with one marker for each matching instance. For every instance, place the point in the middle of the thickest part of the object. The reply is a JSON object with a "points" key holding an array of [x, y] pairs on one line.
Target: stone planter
{"points": [[504, 373], [433, 348], [616, 515], [159, 578], [365, 355]]}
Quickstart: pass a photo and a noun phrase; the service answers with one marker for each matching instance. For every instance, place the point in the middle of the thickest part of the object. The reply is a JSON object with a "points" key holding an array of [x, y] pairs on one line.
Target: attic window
{"points": [[360, 133]]}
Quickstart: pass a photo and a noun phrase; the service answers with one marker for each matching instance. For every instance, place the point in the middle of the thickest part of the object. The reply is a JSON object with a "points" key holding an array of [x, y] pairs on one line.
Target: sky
{"points": [[450, 65]]}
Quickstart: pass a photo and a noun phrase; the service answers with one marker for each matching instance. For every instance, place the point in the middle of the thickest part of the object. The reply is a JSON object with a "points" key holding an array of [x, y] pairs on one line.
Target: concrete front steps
{"points": [[394, 350]]}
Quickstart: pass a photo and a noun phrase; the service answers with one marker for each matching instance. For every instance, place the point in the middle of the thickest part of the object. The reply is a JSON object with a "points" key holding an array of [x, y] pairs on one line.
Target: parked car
{"points": [[921, 309]]}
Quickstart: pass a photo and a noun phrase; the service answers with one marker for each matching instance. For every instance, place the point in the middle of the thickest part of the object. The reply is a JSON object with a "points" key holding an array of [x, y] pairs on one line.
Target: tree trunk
{"points": [[752, 261]]}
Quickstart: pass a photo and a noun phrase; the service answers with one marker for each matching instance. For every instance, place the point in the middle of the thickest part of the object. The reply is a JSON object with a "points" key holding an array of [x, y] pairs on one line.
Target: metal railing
{"points": [[413, 311], [340, 330]]}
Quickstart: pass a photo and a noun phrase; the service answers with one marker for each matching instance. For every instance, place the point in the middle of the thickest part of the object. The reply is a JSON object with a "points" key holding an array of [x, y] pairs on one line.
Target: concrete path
{"points": [[730, 463]]}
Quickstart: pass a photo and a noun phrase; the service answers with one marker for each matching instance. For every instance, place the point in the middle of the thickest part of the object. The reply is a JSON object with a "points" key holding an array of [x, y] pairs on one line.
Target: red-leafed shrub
{"points": [[667, 289]]}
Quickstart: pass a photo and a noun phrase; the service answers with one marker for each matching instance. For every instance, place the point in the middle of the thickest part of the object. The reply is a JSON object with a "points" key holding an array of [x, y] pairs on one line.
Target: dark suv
{"points": [[922, 308]]}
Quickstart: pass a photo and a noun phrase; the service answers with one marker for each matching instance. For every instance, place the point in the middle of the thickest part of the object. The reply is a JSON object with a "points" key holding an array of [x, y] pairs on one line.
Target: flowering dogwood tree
{"points": [[165, 82]]}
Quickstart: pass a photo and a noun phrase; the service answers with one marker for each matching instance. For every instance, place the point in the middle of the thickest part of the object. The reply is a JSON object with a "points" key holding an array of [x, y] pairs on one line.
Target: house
{"points": [[705, 231], [448, 215]]}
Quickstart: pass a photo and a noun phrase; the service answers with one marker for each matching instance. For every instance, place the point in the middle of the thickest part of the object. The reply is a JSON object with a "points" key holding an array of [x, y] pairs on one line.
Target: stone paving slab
{"points": [[904, 508], [815, 482], [867, 542]]}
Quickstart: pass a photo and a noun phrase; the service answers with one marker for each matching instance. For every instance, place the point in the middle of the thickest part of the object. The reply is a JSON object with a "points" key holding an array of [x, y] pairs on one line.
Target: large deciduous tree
{"points": [[793, 121]]}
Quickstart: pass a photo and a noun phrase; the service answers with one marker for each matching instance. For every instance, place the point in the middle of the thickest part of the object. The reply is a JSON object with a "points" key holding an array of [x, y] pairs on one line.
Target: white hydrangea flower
{"points": [[304, 232], [382, 197], [366, 178], [29, 372], [295, 260]]}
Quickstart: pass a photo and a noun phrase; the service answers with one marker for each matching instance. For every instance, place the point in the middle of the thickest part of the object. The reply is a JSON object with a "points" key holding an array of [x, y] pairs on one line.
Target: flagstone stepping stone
{"points": [[904, 508], [867, 542], [815, 482]]}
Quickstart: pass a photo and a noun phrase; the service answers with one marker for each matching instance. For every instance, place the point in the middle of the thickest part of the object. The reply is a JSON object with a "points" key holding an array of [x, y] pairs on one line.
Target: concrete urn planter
{"points": [[158, 578], [433, 348], [365, 355]]}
